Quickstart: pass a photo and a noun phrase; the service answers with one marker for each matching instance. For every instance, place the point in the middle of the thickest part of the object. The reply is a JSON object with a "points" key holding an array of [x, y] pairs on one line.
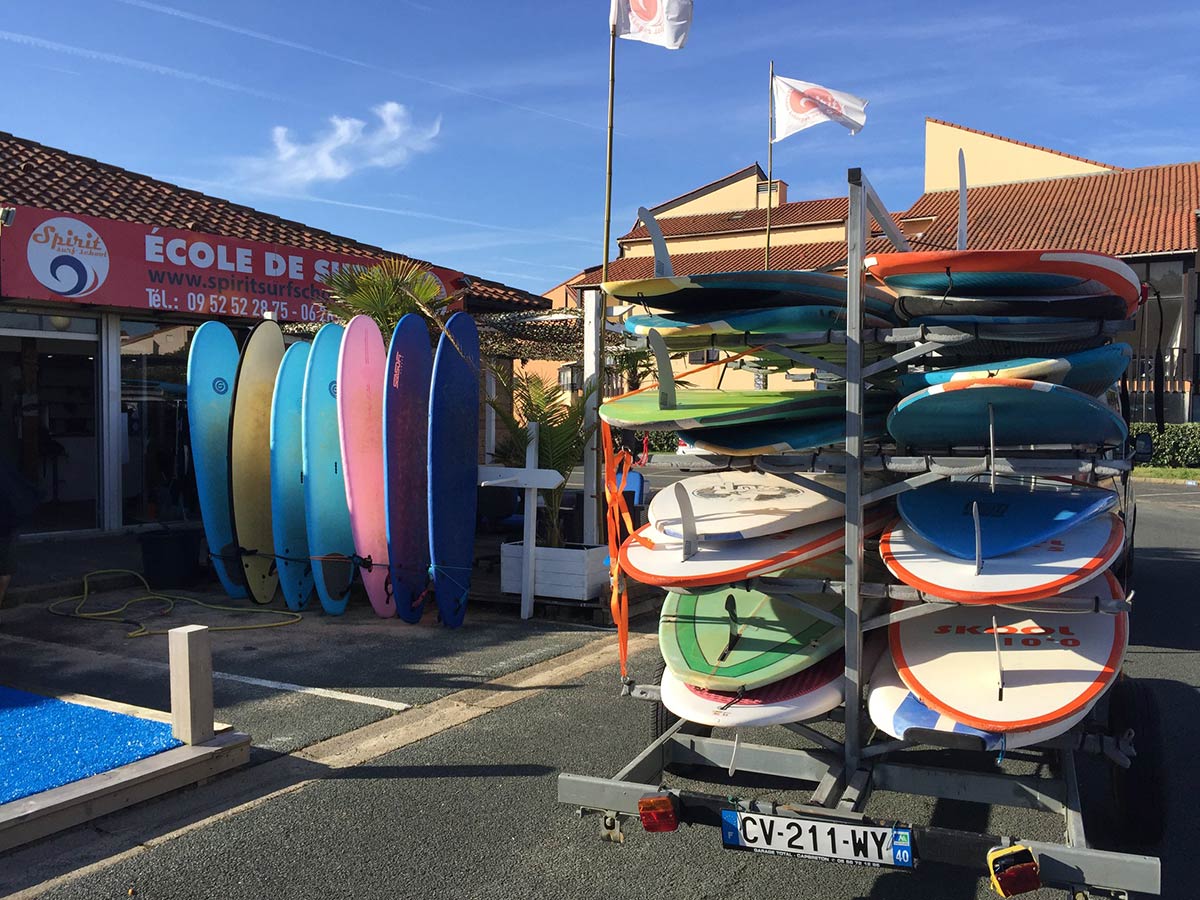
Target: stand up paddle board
{"points": [[785, 436], [211, 372], [1023, 412], [805, 695], [651, 557], [405, 459], [1007, 669], [1007, 272], [897, 711], [330, 540], [361, 365], [703, 407], [1053, 306], [733, 639], [1088, 371], [1052, 567], [1011, 518], [731, 506], [744, 290], [250, 459], [453, 465], [777, 320], [287, 481]]}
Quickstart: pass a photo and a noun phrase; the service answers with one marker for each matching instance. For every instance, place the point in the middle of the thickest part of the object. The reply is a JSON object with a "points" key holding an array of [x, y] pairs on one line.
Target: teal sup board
{"points": [[287, 484], [211, 370], [326, 515]]}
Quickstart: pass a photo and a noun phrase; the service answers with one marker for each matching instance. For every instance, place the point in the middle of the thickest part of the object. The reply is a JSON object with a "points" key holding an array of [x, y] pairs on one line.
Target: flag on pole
{"points": [[661, 22], [802, 104]]}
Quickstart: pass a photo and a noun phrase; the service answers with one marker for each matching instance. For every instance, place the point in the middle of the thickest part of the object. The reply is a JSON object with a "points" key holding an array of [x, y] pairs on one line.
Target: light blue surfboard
{"points": [[453, 465], [405, 463], [1010, 518], [326, 515], [211, 370], [1089, 371], [1025, 412], [287, 485]]}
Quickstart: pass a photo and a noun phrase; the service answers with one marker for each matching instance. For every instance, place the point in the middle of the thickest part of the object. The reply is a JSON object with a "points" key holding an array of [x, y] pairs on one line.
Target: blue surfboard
{"points": [[1010, 518], [453, 465], [405, 456], [1089, 371], [211, 370], [1025, 412], [326, 516], [287, 485]]}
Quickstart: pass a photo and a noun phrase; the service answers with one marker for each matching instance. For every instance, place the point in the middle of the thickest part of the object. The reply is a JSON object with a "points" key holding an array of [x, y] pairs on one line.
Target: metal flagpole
{"points": [[593, 330], [770, 157]]}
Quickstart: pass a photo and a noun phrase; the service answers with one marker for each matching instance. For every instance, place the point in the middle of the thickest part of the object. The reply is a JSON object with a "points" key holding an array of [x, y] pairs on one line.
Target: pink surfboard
{"points": [[361, 365]]}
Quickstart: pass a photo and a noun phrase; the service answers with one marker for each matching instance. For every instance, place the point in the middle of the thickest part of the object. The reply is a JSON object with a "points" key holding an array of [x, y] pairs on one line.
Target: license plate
{"points": [[862, 845]]}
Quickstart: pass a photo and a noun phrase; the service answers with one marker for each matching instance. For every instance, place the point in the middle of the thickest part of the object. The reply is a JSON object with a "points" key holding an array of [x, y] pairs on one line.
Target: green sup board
{"points": [[730, 639], [703, 407]]}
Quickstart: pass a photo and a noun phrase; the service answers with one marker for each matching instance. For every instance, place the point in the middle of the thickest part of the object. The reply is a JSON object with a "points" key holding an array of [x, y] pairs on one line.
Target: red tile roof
{"points": [[32, 174], [1008, 140], [794, 256], [1127, 213], [802, 212]]}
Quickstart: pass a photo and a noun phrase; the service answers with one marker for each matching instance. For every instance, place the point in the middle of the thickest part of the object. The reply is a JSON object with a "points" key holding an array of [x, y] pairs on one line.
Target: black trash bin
{"points": [[170, 558]]}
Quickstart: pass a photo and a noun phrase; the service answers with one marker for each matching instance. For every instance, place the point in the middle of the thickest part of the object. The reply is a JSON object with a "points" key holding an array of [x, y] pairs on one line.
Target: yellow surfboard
{"points": [[250, 459]]}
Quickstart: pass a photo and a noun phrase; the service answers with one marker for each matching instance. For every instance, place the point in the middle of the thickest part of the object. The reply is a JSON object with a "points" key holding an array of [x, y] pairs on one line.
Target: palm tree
{"points": [[562, 435], [386, 292]]}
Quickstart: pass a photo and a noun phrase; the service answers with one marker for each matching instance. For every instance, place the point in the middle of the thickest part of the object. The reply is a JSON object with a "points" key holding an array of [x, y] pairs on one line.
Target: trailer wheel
{"points": [[1138, 797], [662, 718]]}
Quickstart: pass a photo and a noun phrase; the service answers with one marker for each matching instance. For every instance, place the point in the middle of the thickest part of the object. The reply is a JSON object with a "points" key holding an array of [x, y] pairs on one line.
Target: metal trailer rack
{"points": [[845, 772]]}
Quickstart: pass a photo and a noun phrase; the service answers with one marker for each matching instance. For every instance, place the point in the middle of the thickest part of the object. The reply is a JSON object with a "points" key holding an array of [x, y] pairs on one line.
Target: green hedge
{"points": [[1178, 446], [660, 441]]}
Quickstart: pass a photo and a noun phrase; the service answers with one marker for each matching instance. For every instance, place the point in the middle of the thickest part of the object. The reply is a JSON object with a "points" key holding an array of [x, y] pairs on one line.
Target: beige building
{"points": [[1020, 195]]}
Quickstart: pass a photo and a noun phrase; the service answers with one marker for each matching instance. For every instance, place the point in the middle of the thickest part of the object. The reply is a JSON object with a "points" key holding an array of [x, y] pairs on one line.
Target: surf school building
{"points": [[1019, 196], [105, 274]]}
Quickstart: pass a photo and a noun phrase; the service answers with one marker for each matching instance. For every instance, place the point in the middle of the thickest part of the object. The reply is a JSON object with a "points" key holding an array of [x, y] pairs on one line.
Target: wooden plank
{"points": [[81, 801], [125, 709]]}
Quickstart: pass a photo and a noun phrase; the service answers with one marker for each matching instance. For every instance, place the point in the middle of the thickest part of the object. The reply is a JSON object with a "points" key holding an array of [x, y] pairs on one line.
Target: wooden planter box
{"points": [[574, 572]]}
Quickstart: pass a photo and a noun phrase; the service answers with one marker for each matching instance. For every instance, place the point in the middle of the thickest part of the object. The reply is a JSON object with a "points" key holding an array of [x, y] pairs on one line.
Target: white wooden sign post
{"points": [[532, 479]]}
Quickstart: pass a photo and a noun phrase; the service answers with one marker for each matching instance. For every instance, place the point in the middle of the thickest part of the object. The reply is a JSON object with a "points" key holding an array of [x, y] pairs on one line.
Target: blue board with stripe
{"points": [[1011, 517], [405, 470], [453, 465], [1024, 412], [326, 515], [287, 483], [211, 371]]}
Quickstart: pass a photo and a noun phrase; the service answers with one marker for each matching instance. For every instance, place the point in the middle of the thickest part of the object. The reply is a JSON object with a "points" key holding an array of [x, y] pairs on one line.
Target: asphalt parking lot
{"points": [[349, 793]]}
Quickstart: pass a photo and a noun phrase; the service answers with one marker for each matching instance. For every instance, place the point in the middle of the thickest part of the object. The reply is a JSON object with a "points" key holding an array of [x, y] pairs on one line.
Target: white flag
{"points": [[661, 22], [802, 104]]}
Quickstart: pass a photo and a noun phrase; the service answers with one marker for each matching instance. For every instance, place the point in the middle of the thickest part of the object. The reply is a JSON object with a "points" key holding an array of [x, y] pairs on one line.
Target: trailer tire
{"points": [[662, 718], [1138, 798]]}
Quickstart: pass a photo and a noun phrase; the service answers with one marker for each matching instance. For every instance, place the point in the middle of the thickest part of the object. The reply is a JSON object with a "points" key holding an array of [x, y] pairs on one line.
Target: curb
{"points": [[1186, 482], [57, 590]]}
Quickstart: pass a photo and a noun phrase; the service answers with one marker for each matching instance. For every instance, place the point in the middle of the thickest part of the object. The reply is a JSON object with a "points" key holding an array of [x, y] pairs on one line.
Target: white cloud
{"points": [[347, 146]]}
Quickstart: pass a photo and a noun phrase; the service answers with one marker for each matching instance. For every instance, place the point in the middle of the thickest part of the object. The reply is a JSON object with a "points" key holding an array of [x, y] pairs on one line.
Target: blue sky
{"points": [[471, 133]]}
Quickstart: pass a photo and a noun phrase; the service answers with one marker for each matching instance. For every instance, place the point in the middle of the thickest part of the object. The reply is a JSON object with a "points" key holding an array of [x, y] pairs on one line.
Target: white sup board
{"points": [[1008, 669], [731, 506], [651, 557], [1043, 570], [897, 711]]}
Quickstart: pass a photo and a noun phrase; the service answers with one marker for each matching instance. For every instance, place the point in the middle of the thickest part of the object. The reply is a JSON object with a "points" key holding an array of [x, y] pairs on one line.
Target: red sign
{"points": [[46, 255]]}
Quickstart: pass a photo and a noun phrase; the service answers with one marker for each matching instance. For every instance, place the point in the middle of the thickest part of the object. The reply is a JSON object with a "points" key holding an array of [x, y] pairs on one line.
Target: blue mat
{"points": [[46, 743]]}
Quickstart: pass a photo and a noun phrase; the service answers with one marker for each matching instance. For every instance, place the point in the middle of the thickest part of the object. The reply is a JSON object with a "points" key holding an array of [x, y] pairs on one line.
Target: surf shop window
{"points": [[158, 480], [48, 415]]}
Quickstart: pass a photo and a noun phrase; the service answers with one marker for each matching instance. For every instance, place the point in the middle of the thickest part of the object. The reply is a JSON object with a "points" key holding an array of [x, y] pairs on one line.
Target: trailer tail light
{"points": [[1014, 870], [658, 813]]}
